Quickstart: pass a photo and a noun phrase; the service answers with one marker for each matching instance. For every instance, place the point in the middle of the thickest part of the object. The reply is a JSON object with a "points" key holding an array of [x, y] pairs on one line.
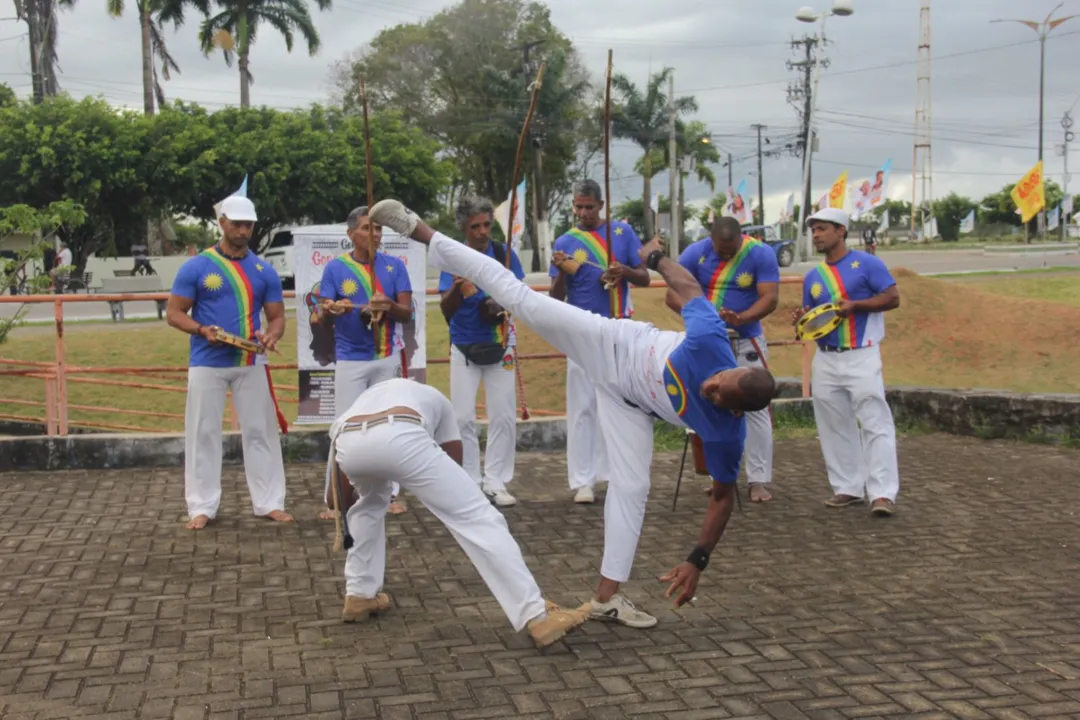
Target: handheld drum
{"points": [[818, 322]]}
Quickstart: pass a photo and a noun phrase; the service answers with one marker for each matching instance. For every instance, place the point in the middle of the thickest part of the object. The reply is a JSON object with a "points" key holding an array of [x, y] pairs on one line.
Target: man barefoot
{"points": [[641, 373], [227, 286], [401, 431]]}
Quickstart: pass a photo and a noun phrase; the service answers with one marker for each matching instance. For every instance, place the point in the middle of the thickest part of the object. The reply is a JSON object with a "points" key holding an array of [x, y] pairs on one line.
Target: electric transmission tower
{"points": [[922, 166]]}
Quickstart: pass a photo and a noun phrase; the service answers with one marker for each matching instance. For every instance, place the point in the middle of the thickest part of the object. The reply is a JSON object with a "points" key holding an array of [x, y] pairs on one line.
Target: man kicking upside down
{"points": [[403, 432], [689, 379]]}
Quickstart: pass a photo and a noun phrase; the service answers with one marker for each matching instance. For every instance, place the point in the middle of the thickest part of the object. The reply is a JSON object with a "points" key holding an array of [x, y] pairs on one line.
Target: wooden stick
{"points": [[376, 317], [607, 177]]}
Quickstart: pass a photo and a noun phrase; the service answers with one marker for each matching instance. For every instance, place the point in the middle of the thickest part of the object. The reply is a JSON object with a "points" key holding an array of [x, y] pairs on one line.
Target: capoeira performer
{"points": [[689, 379], [406, 432], [367, 311], [481, 351], [581, 276], [227, 287], [854, 421], [741, 277]]}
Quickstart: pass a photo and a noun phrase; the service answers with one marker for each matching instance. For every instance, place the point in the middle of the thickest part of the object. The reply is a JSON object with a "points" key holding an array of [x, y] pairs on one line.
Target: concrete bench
{"points": [[132, 285]]}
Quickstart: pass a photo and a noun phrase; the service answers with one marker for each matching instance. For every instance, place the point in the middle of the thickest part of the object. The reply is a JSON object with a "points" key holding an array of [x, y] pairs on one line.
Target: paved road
{"points": [[964, 605], [927, 261]]}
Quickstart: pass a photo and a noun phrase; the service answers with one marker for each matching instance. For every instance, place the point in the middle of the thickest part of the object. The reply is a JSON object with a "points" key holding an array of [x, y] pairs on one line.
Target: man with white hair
{"points": [[402, 431], [228, 287]]}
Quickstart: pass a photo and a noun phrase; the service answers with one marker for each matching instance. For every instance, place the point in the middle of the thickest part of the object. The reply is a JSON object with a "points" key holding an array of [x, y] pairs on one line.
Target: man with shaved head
{"points": [[741, 278]]}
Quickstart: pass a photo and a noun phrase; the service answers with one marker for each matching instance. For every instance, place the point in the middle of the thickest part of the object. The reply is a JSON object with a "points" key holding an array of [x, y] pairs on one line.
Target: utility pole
{"points": [[760, 173], [803, 92], [730, 172], [673, 171], [922, 171], [541, 227], [1066, 201]]}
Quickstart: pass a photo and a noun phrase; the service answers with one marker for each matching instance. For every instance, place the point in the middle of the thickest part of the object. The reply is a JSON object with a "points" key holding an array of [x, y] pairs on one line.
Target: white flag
{"points": [[967, 225]]}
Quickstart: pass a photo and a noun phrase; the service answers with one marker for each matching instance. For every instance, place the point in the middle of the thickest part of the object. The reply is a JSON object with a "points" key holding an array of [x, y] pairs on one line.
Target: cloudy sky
{"points": [[732, 57]]}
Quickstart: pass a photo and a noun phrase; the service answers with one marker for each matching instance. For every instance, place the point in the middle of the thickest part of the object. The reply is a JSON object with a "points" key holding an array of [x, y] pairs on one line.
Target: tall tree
{"points": [[41, 21], [644, 118], [461, 76], [233, 31], [153, 14]]}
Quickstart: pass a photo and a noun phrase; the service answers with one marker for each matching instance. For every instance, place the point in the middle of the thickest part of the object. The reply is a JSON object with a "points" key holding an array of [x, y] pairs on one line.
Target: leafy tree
{"points": [[153, 14], [642, 116], [7, 95], [999, 208], [233, 31], [39, 224], [949, 212], [461, 77], [302, 165], [716, 206]]}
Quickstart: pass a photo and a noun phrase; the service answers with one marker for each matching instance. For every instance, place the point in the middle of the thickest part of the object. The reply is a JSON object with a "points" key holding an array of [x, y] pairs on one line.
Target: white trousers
{"points": [[606, 350], [351, 379], [586, 454], [758, 452], [405, 453], [500, 396], [263, 463], [855, 424]]}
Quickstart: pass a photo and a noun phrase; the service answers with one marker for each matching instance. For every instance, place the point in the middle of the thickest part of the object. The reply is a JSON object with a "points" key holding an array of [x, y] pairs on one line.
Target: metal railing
{"points": [[57, 375]]}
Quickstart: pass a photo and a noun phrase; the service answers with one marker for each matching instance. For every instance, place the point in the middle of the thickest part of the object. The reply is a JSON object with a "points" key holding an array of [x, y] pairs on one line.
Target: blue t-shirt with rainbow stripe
{"points": [[732, 283], [705, 351], [590, 247], [230, 294], [344, 278], [856, 276], [466, 325]]}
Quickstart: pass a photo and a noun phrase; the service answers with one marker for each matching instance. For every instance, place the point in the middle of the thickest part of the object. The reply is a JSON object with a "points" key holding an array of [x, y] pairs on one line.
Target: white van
{"points": [[279, 252]]}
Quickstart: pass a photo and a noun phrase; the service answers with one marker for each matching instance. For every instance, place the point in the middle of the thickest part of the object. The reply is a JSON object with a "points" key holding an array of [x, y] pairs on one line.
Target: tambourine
{"points": [[818, 322], [227, 338]]}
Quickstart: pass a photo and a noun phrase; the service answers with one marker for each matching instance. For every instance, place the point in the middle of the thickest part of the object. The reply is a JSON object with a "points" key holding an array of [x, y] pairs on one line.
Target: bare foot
{"points": [[328, 514], [279, 516], [397, 507], [198, 522], [759, 493]]}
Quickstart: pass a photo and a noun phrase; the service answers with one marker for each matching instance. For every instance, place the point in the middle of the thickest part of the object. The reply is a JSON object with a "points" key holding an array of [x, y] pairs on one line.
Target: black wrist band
{"points": [[698, 558], [653, 261]]}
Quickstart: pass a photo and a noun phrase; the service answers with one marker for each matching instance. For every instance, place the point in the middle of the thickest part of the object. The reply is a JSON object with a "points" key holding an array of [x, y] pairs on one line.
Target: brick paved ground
{"points": [[967, 604]]}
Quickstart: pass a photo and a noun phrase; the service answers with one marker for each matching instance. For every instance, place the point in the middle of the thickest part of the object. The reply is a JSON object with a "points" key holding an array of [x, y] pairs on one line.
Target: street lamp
{"points": [[806, 14], [1043, 29]]}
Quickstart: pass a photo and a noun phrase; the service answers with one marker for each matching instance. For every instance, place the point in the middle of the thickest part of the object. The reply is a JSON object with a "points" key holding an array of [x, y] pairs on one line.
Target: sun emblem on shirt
{"points": [[816, 289], [854, 264], [213, 281], [672, 390], [580, 255], [618, 231], [744, 280], [259, 266], [349, 286]]}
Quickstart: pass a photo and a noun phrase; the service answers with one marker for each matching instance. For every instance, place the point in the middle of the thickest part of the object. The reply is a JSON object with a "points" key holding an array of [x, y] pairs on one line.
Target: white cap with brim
{"points": [[833, 215], [238, 209]]}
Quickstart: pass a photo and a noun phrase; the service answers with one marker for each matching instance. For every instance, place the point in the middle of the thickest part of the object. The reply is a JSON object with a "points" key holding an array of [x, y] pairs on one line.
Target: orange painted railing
{"points": [[59, 373]]}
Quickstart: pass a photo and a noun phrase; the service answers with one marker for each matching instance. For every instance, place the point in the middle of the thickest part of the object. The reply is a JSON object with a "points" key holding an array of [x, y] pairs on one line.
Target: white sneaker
{"points": [[619, 609], [394, 215], [584, 495], [501, 497]]}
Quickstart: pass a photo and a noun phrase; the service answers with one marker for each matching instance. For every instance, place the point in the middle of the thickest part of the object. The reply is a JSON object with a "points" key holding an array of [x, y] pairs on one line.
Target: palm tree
{"points": [[153, 14], [644, 118], [233, 30], [41, 21], [693, 142]]}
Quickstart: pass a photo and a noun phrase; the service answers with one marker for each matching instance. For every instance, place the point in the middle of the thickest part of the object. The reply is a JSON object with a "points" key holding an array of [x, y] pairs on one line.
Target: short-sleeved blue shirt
{"points": [[346, 279], [583, 288], [856, 276], [466, 325], [229, 294], [732, 284], [705, 351]]}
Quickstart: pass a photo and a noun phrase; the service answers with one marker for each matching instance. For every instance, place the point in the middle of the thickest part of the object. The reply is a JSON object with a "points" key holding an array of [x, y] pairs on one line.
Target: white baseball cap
{"points": [[238, 208], [833, 215]]}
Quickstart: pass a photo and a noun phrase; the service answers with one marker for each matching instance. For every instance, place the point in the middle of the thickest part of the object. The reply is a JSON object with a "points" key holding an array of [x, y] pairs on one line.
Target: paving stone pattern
{"points": [[964, 605]]}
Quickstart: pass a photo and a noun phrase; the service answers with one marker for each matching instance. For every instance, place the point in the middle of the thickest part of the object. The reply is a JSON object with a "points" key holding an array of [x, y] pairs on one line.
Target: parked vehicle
{"points": [[279, 252], [785, 249]]}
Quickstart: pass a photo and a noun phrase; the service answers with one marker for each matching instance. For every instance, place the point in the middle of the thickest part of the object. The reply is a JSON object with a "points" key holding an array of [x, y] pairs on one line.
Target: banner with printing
{"points": [[312, 249]]}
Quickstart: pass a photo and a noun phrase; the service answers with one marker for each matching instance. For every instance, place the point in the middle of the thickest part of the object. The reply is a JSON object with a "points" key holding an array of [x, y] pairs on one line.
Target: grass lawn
{"points": [[1004, 332]]}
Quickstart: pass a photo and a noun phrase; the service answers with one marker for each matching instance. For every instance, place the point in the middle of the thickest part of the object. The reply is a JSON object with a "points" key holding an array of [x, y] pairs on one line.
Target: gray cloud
{"points": [[731, 57]]}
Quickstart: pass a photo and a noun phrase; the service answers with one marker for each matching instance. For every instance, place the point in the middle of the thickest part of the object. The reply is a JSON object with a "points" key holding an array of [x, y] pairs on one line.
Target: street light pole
{"points": [[841, 8], [1043, 29]]}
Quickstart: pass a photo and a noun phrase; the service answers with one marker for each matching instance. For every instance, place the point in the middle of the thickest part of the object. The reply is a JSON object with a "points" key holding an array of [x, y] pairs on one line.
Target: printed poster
{"points": [[315, 342]]}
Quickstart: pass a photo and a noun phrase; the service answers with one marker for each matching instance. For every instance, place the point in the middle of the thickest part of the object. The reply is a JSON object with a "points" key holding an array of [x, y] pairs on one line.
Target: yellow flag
{"points": [[838, 192], [1030, 193]]}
